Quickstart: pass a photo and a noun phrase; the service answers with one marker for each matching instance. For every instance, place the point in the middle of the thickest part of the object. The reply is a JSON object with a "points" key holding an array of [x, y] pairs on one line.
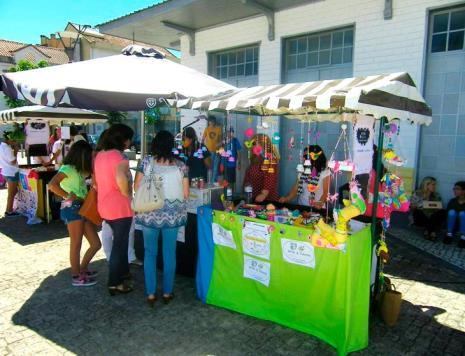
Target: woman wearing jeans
{"points": [[166, 220], [114, 191]]}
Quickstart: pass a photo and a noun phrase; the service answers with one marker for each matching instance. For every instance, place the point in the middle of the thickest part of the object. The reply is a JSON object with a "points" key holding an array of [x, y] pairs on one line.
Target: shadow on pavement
{"points": [[17, 230], [88, 320], [410, 263], [417, 333]]}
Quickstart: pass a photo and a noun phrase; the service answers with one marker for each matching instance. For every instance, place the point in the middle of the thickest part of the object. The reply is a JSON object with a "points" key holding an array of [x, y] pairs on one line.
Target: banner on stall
{"points": [[363, 139], [223, 237], [298, 252], [256, 239], [257, 270]]}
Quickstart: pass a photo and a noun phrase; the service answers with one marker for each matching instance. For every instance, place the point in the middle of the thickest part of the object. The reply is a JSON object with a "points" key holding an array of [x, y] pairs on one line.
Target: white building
{"points": [[268, 42]]}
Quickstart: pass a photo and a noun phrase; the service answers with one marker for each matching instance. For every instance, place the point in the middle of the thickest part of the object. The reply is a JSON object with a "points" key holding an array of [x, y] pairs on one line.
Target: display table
{"points": [[320, 291], [31, 200]]}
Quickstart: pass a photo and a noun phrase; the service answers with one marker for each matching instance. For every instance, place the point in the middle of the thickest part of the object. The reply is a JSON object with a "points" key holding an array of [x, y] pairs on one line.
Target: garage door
{"points": [[312, 57], [442, 145]]}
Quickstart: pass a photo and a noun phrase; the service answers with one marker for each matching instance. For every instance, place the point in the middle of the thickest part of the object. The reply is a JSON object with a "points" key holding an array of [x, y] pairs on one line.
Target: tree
{"points": [[22, 65]]}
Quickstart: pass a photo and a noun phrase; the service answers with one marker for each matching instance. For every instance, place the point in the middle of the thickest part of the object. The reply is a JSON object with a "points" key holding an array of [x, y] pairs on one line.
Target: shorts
{"points": [[71, 213], [12, 179]]}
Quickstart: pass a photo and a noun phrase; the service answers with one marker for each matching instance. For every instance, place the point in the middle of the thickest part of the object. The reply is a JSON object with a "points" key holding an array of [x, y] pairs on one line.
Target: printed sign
{"points": [[256, 239], [298, 252], [257, 270], [223, 237], [363, 135]]}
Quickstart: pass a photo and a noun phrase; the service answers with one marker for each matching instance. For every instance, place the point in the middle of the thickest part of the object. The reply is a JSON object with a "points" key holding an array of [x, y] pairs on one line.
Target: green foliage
{"points": [[116, 117], [152, 115], [21, 66]]}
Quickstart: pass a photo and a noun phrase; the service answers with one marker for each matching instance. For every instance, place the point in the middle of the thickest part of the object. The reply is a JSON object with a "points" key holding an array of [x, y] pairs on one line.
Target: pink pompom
{"points": [[249, 132]]}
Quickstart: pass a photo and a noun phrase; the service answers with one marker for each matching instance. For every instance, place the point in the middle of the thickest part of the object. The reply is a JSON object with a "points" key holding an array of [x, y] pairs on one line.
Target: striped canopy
{"points": [[54, 115], [394, 96]]}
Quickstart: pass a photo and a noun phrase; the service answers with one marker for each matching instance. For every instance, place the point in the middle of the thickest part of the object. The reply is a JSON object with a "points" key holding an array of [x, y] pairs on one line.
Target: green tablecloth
{"points": [[329, 301]]}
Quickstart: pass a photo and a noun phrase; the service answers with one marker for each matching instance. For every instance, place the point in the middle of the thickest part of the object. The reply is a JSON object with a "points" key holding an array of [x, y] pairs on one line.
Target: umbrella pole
{"points": [[374, 229], [142, 134]]}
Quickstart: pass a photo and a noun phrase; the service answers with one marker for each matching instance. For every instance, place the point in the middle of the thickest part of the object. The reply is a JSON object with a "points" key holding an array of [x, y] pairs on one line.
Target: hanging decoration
{"points": [[347, 164], [390, 156]]}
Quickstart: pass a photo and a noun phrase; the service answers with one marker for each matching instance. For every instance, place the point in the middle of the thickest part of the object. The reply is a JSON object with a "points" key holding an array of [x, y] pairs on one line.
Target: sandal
{"points": [[168, 298], [120, 289]]}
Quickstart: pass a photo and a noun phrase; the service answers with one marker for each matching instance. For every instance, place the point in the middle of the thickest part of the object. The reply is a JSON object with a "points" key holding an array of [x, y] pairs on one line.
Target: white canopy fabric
{"points": [[138, 79], [394, 96], [54, 115]]}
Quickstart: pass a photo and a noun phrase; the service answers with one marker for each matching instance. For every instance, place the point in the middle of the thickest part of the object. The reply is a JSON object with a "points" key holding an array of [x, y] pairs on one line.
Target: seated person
{"points": [[456, 211], [424, 213], [264, 182], [313, 187]]}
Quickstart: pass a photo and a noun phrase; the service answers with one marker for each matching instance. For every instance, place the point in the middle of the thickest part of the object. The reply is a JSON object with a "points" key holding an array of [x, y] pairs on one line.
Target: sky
{"points": [[25, 20]]}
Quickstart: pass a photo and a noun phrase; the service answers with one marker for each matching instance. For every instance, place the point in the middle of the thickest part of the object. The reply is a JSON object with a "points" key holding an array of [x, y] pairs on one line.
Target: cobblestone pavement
{"points": [[449, 253], [40, 313]]}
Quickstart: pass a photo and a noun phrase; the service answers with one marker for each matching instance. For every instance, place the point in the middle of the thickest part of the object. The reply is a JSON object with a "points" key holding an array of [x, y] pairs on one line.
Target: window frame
{"points": [[311, 36], [215, 65], [447, 32]]}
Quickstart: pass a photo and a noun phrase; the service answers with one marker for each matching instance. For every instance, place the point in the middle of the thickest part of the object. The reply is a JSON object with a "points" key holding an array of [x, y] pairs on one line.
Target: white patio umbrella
{"points": [[53, 115], [137, 79]]}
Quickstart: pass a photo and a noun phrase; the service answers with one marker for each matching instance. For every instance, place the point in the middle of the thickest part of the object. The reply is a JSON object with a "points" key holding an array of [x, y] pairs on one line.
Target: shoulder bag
{"points": [[149, 196]]}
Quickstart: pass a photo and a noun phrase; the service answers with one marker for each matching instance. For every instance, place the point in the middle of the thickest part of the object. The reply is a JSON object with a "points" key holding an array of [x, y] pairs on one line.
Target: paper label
{"points": [[223, 237], [257, 270], [363, 135], [298, 252], [181, 234], [256, 239]]}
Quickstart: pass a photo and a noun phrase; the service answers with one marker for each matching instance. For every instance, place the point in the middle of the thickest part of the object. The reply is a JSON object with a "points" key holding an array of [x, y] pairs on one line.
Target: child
{"points": [[456, 210], [234, 160], [69, 183]]}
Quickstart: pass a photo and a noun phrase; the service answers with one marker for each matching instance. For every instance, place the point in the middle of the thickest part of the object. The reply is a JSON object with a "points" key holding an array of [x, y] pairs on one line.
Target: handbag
{"points": [[89, 210], [149, 196], [390, 302]]}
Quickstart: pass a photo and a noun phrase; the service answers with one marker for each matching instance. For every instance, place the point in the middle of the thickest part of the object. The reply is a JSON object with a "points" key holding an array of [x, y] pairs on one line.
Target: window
{"points": [[238, 62], [322, 49], [448, 31]]}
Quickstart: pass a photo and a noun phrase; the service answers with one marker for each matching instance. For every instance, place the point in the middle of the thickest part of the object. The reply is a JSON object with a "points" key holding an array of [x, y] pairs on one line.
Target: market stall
{"points": [[314, 278], [32, 199]]}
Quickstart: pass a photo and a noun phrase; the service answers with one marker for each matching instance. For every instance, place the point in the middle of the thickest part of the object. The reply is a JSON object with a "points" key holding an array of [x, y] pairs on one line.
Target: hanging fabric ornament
{"points": [[291, 143], [249, 132], [249, 119], [276, 138]]}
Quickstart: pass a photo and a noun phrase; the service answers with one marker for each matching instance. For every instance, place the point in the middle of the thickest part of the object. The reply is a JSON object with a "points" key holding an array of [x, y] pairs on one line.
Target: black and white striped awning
{"points": [[392, 95], [55, 115]]}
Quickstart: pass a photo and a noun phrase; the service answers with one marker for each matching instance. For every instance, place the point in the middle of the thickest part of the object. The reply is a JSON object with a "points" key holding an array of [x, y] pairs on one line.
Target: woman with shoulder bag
{"points": [[162, 165], [114, 192]]}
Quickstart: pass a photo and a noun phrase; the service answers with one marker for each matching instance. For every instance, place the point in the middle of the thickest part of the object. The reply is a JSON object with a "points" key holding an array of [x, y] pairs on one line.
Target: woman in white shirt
{"points": [[10, 170], [312, 184]]}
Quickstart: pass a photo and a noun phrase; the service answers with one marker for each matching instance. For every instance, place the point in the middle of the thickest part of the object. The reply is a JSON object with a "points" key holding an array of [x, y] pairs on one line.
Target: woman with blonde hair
{"points": [[262, 174], [426, 208]]}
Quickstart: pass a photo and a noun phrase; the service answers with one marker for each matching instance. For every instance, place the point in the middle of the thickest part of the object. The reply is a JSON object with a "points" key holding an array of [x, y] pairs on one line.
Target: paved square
{"points": [[41, 313]]}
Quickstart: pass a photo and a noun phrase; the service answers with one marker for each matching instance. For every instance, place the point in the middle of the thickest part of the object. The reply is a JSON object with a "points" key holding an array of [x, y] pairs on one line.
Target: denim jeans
{"points": [[169, 236], [119, 266], [216, 159], [452, 216]]}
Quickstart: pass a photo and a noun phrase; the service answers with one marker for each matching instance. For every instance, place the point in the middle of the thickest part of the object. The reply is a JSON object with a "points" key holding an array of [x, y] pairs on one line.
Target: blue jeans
{"points": [[118, 264], [452, 216], [216, 159], [169, 236]]}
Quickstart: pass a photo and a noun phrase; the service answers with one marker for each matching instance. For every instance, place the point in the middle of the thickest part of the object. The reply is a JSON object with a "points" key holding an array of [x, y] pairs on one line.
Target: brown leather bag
{"points": [[89, 208]]}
